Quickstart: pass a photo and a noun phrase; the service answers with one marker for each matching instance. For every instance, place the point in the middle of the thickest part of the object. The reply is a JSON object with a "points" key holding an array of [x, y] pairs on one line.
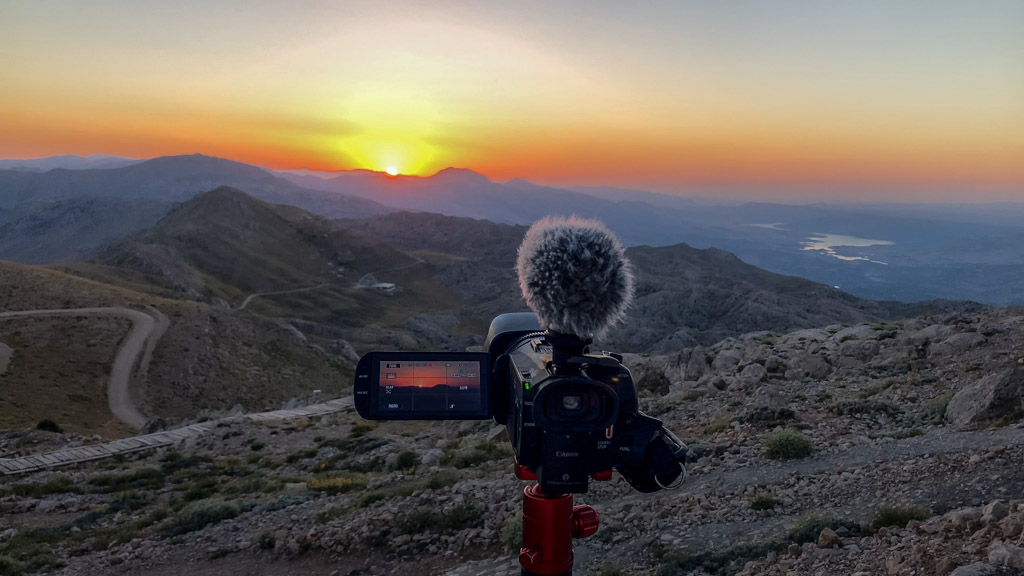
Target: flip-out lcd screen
{"points": [[424, 386]]}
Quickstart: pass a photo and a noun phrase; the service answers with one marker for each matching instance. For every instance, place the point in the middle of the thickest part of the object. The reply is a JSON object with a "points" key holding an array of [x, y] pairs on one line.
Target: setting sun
{"points": [[391, 170]]}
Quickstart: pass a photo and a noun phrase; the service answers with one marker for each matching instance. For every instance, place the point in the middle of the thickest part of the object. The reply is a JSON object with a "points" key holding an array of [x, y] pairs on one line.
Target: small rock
{"points": [[432, 457], [994, 512], [964, 519], [828, 539]]}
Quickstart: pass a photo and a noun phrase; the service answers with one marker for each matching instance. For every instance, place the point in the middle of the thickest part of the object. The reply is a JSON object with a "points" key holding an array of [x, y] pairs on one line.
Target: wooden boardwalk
{"points": [[25, 464]]}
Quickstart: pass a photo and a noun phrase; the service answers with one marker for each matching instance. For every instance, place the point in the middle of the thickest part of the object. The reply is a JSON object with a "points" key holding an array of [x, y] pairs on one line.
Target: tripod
{"points": [[550, 522]]}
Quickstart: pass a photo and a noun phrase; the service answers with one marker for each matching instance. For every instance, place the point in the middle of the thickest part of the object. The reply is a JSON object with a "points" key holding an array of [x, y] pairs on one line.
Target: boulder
{"points": [[860, 349], [828, 539], [956, 344], [650, 376], [964, 519], [1006, 555], [432, 457], [997, 396], [754, 373], [805, 365], [696, 364], [726, 361], [994, 512]]}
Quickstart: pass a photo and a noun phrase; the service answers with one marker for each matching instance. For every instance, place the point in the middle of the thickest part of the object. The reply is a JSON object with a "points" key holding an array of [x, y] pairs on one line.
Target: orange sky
{"points": [[814, 99]]}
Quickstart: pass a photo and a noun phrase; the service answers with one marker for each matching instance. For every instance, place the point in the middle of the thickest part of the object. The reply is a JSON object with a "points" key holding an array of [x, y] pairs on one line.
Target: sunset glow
{"points": [[885, 100]]}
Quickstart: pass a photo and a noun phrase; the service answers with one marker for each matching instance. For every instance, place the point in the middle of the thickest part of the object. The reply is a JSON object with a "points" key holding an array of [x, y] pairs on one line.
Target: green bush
{"points": [[9, 566], [934, 410], [202, 513], [55, 485], [764, 502], [718, 424], [611, 569], [156, 515], [330, 513], [483, 451], [455, 519], [336, 484], [147, 477], [257, 446], [417, 521], [304, 454], [512, 533], [852, 407], [875, 389], [266, 541], [898, 516], [360, 430], [442, 479], [48, 425], [461, 517], [406, 460], [787, 444]]}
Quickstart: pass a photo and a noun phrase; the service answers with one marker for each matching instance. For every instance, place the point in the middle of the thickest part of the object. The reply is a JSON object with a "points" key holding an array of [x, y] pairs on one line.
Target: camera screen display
{"points": [[429, 386]]}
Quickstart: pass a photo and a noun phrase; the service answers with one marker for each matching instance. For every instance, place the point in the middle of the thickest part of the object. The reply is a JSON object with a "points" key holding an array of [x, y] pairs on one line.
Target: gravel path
{"points": [[144, 329], [251, 296]]}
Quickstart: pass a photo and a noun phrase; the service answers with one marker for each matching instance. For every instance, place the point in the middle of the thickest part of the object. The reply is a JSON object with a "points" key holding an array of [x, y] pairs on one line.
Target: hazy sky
{"points": [[885, 99]]}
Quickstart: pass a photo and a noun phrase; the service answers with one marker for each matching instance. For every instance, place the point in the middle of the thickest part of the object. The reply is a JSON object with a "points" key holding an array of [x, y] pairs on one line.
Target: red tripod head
{"points": [[550, 522]]}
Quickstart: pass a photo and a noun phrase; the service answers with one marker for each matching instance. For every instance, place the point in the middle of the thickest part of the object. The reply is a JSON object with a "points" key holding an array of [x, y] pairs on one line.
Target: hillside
{"points": [[208, 359], [227, 248], [41, 232], [224, 243], [685, 295], [866, 449]]}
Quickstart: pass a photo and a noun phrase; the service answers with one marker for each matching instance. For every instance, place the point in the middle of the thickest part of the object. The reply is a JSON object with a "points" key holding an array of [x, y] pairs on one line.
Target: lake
{"points": [[828, 242]]}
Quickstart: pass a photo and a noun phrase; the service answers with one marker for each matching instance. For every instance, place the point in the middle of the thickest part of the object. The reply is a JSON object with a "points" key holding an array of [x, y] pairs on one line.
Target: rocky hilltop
{"points": [[871, 448]]}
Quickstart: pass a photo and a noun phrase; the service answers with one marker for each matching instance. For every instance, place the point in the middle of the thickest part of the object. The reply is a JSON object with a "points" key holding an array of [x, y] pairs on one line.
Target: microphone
{"points": [[574, 275]]}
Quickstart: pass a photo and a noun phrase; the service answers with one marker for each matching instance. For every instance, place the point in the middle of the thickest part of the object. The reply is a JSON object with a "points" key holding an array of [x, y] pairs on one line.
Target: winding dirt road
{"points": [[144, 329], [251, 296]]}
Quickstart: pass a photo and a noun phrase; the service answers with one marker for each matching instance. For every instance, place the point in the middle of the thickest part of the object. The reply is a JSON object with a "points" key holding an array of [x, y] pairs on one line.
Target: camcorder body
{"points": [[570, 414]]}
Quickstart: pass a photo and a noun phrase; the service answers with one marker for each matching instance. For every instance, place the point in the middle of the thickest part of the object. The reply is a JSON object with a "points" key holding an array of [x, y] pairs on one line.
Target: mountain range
{"points": [[685, 296], [903, 252]]}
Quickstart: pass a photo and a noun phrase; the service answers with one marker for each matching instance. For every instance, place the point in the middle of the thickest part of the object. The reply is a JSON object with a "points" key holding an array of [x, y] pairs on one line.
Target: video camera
{"points": [[570, 414]]}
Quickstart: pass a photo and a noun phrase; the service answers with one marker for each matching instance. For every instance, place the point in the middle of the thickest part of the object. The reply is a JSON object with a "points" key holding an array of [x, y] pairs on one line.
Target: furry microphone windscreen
{"points": [[574, 275]]}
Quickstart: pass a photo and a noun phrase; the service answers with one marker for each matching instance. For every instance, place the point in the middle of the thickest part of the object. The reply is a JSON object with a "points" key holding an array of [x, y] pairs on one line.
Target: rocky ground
{"points": [[889, 448]]}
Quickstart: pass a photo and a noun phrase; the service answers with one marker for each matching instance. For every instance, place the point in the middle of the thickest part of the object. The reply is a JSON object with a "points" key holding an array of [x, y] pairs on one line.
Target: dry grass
{"points": [[59, 371]]}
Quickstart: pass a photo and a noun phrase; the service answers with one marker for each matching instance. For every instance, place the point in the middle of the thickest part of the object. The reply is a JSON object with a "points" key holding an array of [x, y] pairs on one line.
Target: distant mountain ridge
{"points": [[68, 161], [72, 214], [175, 179], [937, 252], [685, 296]]}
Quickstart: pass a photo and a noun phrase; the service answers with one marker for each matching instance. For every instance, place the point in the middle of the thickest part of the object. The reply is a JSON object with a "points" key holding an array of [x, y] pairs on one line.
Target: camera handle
{"points": [[550, 522]]}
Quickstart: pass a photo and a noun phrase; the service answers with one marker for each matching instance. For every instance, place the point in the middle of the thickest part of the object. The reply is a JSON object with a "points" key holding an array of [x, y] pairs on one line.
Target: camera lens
{"points": [[571, 403]]}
